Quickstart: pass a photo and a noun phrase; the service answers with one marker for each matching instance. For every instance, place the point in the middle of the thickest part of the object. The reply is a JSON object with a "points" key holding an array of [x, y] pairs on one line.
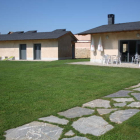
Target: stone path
{"points": [[120, 104], [98, 103], [121, 93], [76, 138], [76, 112], [82, 119], [122, 115], [105, 111], [135, 86], [35, 131], [123, 99], [134, 104], [136, 95], [94, 125], [54, 119], [70, 133], [138, 89]]}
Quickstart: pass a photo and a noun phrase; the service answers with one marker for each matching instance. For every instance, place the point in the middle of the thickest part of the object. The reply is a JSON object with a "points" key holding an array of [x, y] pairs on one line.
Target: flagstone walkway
{"points": [[86, 120]]}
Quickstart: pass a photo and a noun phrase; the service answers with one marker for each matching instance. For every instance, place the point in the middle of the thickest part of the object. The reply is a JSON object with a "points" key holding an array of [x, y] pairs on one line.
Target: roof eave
{"points": [[108, 32], [29, 39], [70, 34]]}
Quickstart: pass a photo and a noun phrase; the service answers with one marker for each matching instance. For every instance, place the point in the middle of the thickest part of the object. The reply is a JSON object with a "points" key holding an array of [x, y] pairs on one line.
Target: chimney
{"points": [[10, 32], [111, 18]]}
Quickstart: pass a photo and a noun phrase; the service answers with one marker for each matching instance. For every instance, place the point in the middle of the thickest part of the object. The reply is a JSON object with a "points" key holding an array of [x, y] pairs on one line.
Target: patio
{"points": [[124, 65]]}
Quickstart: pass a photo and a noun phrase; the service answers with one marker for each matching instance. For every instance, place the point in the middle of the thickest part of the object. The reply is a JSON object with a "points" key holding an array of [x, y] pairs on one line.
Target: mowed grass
{"points": [[30, 90]]}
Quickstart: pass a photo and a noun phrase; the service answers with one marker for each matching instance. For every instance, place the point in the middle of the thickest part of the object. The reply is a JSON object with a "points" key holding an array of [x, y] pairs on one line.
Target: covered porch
{"points": [[124, 44], [129, 49]]}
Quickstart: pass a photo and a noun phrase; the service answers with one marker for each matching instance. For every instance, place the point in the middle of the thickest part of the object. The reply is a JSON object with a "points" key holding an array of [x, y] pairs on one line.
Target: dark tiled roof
{"points": [[32, 35], [130, 26]]}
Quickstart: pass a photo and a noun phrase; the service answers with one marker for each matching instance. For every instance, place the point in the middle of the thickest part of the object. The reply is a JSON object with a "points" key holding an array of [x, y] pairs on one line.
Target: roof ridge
{"points": [[128, 26], [118, 23], [32, 36]]}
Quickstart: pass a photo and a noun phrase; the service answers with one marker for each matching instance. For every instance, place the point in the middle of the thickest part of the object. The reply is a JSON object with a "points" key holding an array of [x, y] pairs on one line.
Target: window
{"points": [[125, 48]]}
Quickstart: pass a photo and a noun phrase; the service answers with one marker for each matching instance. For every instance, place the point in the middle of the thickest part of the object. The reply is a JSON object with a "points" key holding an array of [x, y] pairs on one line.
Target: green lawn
{"points": [[30, 90]]}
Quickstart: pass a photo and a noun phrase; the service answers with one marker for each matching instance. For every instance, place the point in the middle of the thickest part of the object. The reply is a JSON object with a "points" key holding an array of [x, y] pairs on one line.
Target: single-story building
{"points": [[33, 45], [116, 39], [82, 46]]}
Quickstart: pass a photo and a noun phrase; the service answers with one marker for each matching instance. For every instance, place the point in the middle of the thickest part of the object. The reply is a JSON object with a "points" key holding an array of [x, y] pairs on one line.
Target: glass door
{"points": [[129, 49], [132, 50], [138, 47], [124, 51]]}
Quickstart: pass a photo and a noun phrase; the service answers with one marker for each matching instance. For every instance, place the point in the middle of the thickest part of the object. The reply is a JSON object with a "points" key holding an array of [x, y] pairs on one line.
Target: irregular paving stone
{"points": [[54, 119], [70, 133], [98, 103], [34, 131], [121, 93], [122, 115], [138, 89], [76, 112], [105, 111], [136, 95], [94, 125], [123, 99], [120, 104], [134, 104], [135, 86], [76, 138]]}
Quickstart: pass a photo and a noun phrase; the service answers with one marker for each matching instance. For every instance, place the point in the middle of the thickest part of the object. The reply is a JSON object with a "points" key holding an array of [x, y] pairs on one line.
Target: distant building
{"points": [[82, 46], [33, 45], [117, 39]]}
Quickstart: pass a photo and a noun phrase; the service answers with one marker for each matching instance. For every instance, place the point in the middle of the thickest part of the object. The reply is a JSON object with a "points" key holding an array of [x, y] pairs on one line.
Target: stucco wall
{"points": [[110, 45], [10, 48], [83, 37], [49, 49], [82, 46], [65, 47], [82, 50]]}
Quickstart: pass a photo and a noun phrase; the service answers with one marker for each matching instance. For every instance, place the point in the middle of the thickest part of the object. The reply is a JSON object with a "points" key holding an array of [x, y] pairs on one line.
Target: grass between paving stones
{"points": [[134, 98], [69, 127], [112, 135], [105, 117], [31, 90], [134, 91]]}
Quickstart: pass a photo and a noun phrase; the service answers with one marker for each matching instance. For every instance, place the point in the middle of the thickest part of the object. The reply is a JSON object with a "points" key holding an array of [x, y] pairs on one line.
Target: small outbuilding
{"points": [[121, 39], [33, 45]]}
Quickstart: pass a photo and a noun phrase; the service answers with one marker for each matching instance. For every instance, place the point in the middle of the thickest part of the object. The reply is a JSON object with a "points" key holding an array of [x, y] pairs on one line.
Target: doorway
{"points": [[128, 49], [73, 51], [37, 51], [22, 51]]}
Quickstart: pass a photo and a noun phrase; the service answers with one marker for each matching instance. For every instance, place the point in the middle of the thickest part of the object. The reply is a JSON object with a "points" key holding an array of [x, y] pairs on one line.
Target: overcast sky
{"points": [[72, 15]]}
